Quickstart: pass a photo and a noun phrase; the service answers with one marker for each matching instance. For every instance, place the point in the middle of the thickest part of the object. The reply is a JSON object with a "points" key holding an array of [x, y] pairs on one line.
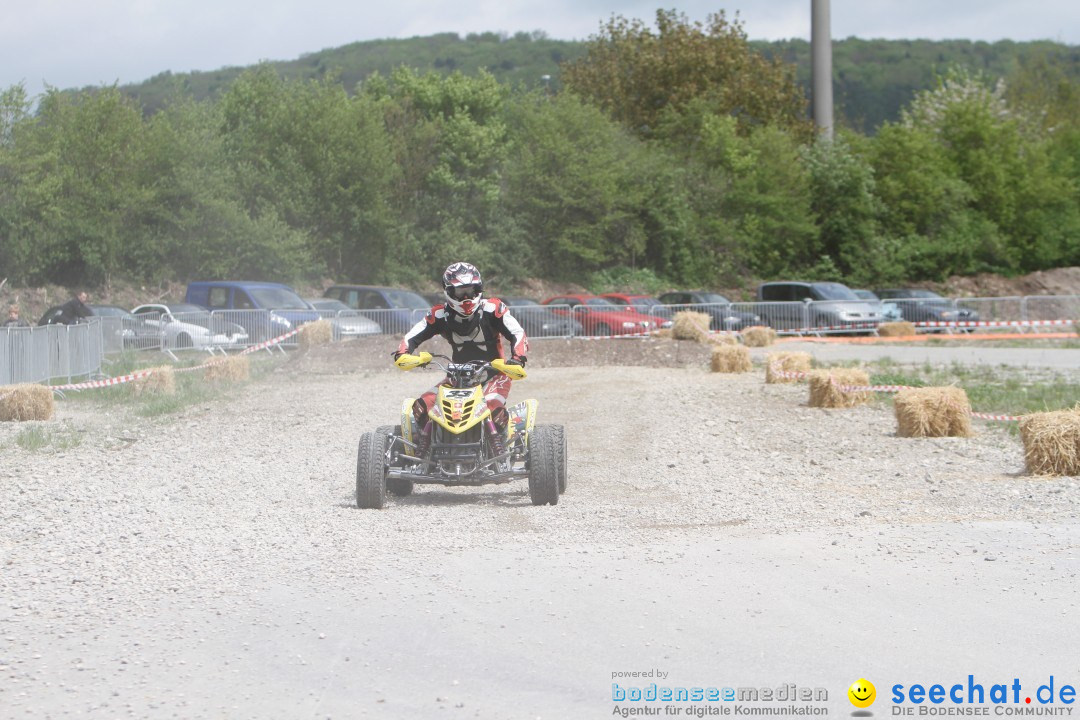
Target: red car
{"points": [[599, 316], [644, 304]]}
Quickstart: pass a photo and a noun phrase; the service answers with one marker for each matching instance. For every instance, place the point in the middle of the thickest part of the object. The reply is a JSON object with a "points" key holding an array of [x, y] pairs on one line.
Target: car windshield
{"points": [[925, 295], [406, 299], [714, 299], [327, 304], [835, 291], [603, 302], [186, 308], [277, 299], [644, 302], [865, 295], [520, 301]]}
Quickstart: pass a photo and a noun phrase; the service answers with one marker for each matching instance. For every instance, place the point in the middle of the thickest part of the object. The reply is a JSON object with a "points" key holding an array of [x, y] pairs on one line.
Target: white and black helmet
{"points": [[463, 287]]}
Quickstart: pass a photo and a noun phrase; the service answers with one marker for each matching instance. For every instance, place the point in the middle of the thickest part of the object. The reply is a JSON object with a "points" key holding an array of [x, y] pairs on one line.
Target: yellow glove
{"points": [[405, 361]]}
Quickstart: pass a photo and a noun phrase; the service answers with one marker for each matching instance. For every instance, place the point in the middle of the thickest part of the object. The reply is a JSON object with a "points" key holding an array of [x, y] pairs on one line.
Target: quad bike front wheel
{"points": [[544, 466], [560, 449], [371, 471], [395, 486]]}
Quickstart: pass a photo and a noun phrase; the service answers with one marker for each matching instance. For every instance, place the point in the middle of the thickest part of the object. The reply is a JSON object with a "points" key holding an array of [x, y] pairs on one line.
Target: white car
{"points": [[190, 326]]}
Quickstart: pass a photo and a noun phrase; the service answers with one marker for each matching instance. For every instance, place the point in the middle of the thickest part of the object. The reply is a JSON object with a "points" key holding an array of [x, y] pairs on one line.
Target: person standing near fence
{"points": [[75, 309], [13, 319]]}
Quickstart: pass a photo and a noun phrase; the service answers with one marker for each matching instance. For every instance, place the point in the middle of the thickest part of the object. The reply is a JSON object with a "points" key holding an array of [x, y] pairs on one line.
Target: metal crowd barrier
{"points": [[51, 352]]}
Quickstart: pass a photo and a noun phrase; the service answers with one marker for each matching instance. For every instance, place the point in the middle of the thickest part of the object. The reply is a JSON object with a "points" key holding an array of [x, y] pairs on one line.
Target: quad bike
{"points": [[458, 444]]}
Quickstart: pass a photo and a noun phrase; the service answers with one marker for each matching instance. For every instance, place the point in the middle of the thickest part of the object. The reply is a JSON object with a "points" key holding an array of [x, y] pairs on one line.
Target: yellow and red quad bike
{"points": [[458, 443]]}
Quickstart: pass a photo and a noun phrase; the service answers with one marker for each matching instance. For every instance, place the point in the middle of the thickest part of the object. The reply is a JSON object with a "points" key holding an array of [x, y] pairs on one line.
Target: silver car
{"points": [[346, 322]]}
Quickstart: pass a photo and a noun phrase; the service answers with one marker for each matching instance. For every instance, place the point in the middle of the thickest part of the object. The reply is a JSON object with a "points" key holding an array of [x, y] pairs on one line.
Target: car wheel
{"points": [[183, 340], [602, 330]]}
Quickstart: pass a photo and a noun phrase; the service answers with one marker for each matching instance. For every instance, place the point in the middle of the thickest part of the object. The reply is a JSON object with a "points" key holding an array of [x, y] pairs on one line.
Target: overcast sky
{"points": [[73, 43]]}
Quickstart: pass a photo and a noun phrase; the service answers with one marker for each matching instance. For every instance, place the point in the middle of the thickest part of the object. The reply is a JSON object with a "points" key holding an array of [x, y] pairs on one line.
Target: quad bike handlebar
{"points": [[406, 361]]}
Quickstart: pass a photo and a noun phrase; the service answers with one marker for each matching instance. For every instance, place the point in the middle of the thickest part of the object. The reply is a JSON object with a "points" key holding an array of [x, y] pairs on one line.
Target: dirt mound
{"points": [[1059, 281]]}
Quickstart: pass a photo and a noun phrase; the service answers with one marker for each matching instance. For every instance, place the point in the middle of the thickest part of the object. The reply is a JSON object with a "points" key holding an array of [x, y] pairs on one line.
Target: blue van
{"points": [[266, 310]]}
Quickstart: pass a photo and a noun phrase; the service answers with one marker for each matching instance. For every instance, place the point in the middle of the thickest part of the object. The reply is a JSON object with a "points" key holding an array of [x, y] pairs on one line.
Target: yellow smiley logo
{"points": [[862, 693]]}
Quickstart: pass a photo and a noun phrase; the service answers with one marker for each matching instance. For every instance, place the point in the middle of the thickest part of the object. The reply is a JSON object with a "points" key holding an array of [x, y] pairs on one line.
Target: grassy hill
{"points": [[873, 78]]}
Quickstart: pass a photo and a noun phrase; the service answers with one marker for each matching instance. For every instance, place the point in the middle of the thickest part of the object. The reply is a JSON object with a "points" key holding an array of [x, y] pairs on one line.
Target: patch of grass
{"points": [[38, 437]]}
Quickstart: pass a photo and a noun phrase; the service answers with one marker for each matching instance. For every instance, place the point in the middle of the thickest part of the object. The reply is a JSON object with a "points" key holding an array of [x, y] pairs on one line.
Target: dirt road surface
{"points": [[716, 529]]}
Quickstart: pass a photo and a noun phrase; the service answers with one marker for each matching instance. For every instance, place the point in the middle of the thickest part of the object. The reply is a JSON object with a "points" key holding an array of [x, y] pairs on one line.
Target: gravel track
{"points": [[213, 564]]}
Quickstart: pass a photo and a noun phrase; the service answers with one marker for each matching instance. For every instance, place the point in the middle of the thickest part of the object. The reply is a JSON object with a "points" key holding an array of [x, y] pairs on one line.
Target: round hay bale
{"points": [[232, 368], [19, 403], [724, 338], [320, 332], [933, 412], [896, 329], [663, 333], [758, 336], [826, 388], [786, 362], [689, 325], [162, 381], [1052, 442], [731, 359]]}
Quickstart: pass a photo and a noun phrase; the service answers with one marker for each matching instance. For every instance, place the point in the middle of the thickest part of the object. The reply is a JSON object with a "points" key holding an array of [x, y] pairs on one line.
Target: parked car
{"points": [[927, 306], [540, 321], [265, 310], [122, 330], [599, 316], [643, 304], [830, 305], [721, 315], [184, 325], [890, 311], [395, 309], [345, 321]]}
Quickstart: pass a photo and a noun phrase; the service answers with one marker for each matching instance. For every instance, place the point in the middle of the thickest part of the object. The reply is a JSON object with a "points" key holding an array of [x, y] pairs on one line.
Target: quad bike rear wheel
{"points": [[395, 486], [543, 466], [371, 471]]}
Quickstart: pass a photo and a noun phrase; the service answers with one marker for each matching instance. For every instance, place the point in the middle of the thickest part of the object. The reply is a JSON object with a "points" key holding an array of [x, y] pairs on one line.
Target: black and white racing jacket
{"points": [[483, 341]]}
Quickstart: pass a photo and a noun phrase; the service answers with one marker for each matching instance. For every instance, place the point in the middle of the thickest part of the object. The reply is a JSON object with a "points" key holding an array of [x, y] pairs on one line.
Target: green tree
{"points": [[636, 75]]}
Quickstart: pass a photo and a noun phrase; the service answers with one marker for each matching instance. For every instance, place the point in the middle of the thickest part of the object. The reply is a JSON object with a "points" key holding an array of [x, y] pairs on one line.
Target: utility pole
{"points": [[821, 67]]}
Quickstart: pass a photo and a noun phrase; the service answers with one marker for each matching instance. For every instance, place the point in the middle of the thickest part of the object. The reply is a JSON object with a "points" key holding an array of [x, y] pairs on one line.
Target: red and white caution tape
{"points": [[269, 343], [1001, 418], [107, 382]]}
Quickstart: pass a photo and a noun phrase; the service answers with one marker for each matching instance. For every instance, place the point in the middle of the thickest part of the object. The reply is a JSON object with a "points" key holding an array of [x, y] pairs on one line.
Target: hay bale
{"points": [[825, 388], [896, 329], [161, 381], [758, 336], [689, 325], [232, 368], [724, 338], [787, 362], [731, 359], [19, 403], [933, 412], [1052, 442], [663, 333], [320, 332]]}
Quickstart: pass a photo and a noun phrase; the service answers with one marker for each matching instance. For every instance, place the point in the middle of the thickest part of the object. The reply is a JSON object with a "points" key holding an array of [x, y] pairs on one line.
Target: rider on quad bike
{"points": [[475, 328]]}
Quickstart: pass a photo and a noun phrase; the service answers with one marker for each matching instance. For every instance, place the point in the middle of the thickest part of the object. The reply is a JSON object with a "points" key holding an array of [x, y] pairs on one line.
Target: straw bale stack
{"points": [[724, 338], [689, 325], [232, 368], [161, 381], [933, 412], [758, 336], [20, 403], [896, 329], [826, 392], [320, 332], [787, 362], [1052, 442], [730, 359]]}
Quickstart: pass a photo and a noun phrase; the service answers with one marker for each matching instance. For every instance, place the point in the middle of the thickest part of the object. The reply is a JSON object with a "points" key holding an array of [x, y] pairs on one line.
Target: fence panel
{"points": [[51, 352], [995, 309], [1052, 307]]}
